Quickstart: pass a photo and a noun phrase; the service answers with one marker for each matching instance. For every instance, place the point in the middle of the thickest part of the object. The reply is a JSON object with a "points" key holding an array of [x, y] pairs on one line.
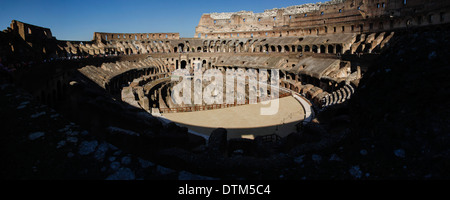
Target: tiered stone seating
{"points": [[337, 97], [102, 75], [372, 43]]}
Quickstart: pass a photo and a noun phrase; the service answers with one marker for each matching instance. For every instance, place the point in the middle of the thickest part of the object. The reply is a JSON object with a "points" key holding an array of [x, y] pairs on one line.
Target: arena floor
{"points": [[243, 121]]}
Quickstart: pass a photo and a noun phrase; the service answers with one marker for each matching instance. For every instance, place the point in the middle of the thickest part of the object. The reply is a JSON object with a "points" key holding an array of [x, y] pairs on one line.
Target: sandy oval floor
{"points": [[244, 121]]}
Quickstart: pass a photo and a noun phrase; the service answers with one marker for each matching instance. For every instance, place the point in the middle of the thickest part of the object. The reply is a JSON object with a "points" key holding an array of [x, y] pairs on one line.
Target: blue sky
{"points": [[78, 20]]}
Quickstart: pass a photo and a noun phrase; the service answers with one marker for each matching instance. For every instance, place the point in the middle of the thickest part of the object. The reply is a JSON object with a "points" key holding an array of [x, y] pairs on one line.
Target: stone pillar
{"points": [[358, 70]]}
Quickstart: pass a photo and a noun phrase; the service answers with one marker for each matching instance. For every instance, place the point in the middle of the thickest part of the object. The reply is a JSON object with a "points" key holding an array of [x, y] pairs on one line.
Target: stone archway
{"points": [[183, 64]]}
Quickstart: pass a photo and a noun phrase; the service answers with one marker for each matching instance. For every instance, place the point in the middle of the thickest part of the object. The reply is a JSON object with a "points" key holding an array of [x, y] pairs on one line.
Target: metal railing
{"points": [[214, 106]]}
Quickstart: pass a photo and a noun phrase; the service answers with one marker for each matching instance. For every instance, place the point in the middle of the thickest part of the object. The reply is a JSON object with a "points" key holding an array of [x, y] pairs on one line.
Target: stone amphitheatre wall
{"points": [[333, 17], [317, 47], [134, 36], [321, 51], [335, 23]]}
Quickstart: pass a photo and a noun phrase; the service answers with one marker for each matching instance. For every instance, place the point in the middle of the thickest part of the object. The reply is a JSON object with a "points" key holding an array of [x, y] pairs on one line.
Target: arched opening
{"points": [[282, 76], [279, 48], [339, 49], [330, 49], [181, 47], [175, 49], [299, 48], [322, 49], [203, 64], [183, 64], [199, 49], [286, 49], [241, 47], [272, 48], [307, 49], [314, 49]]}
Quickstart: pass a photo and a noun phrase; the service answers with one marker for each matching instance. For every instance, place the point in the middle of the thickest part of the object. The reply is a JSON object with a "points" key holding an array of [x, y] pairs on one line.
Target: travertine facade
{"points": [[275, 30], [306, 42], [334, 17]]}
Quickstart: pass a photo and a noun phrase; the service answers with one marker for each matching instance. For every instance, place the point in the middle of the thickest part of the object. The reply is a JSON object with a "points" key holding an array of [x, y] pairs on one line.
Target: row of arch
{"points": [[136, 36], [208, 46], [430, 18], [251, 48]]}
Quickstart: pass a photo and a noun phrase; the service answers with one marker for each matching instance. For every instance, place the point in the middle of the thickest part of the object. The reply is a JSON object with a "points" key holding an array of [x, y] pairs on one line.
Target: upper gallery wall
{"points": [[336, 16]]}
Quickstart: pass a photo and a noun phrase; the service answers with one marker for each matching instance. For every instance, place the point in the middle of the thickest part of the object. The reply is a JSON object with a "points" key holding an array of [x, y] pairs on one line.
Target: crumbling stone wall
{"points": [[333, 17]]}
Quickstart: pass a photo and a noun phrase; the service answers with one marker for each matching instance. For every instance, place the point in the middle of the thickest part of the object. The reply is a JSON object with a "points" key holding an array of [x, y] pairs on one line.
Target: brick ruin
{"points": [[322, 50]]}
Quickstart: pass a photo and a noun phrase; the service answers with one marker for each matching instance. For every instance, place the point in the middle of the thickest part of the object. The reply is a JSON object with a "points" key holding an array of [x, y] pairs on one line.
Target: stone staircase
{"points": [[339, 96], [372, 43]]}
